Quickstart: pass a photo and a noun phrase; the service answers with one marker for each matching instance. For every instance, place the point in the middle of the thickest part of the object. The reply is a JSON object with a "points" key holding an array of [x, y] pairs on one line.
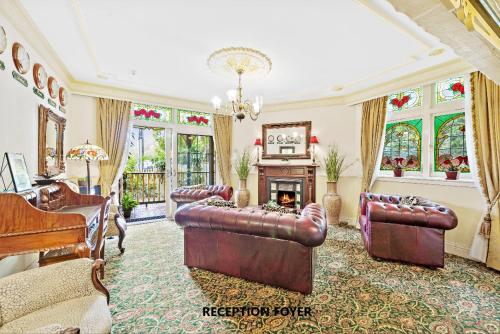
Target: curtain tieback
{"points": [[486, 225]]}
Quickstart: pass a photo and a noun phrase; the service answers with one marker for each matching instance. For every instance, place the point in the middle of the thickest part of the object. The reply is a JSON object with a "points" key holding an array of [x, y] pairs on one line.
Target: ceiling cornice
{"points": [[18, 16], [22, 21]]}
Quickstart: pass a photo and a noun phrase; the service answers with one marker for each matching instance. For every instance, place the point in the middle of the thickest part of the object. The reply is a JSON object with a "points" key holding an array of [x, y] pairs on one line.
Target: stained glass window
{"points": [[197, 118], [449, 142], [450, 89], [403, 140], [404, 100], [148, 112]]}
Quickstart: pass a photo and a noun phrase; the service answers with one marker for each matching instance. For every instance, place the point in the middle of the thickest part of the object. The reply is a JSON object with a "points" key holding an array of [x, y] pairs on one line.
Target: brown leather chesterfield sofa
{"points": [[408, 233], [185, 195], [250, 243]]}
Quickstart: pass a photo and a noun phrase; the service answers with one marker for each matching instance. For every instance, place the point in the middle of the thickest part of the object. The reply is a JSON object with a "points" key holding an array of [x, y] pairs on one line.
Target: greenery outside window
{"points": [[195, 160]]}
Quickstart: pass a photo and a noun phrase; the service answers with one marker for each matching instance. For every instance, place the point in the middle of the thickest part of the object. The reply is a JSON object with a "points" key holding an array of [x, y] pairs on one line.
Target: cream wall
{"points": [[341, 125], [19, 120], [332, 124], [81, 127]]}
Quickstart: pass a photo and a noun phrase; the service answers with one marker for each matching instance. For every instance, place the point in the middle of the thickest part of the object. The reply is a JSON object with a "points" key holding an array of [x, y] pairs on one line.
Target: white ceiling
{"points": [[314, 44]]}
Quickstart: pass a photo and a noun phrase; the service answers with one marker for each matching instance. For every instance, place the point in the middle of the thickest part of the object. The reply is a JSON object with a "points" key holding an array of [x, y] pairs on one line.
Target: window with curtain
{"points": [[195, 160], [425, 126]]}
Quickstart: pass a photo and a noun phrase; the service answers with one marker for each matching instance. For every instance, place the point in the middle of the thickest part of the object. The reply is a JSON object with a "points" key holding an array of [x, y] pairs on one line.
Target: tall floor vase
{"points": [[242, 195], [332, 203]]}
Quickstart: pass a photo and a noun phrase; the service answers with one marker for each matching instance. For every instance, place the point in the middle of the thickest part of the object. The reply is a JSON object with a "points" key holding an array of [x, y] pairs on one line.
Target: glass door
{"points": [[195, 160]]}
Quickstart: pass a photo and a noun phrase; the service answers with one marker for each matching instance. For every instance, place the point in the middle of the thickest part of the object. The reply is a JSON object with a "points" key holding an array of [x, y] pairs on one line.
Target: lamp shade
{"points": [[87, 152], [258, 142], [314, 140]]}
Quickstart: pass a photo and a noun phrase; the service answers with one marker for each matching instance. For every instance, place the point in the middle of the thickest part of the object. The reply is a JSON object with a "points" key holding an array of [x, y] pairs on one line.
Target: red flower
{"points": [[458, 87]]}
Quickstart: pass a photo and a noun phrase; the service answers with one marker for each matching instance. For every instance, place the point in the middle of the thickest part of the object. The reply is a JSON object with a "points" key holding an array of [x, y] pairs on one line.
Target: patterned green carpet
{"points": [[153, 292]]}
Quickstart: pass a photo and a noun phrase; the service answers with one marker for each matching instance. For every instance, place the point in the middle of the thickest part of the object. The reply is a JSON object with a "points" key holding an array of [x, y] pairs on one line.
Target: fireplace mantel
{"points": [[307, 173]]}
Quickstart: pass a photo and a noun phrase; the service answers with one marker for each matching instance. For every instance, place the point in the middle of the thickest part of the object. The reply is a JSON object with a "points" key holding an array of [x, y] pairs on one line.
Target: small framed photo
{"points": [[18, 171]]}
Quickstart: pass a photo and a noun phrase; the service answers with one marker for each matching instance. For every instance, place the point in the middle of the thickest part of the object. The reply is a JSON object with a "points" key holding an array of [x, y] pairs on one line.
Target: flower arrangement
{"points": [[398, 164], [457, 87], [450, 164], [242, 165]]}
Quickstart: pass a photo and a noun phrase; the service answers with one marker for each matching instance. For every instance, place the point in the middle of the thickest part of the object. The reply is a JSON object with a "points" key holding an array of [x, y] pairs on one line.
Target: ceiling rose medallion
{"points": [[239, 61]]}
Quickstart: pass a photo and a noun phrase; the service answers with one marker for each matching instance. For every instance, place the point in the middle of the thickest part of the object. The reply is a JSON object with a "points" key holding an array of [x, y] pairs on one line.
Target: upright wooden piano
{"points": [[49, 218]]}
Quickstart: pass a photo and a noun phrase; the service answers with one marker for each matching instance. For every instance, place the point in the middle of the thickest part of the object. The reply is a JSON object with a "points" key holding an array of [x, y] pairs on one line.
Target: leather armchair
{"points": [[53, 298], [395, 231], [186, 195]]}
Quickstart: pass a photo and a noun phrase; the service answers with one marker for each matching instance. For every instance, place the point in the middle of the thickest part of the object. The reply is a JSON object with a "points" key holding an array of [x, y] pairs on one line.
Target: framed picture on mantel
{"points": [[286, 140]]}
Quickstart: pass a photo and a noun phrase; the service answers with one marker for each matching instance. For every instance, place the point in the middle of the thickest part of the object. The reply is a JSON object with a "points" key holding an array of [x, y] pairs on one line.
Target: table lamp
{"points": [[258, 143], [87, 152], [313, 141]]}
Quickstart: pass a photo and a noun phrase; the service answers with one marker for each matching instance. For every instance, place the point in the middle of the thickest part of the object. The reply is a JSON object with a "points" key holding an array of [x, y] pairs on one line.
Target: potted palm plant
{"points": [[128, 204], [242, 167], [334, 163]]}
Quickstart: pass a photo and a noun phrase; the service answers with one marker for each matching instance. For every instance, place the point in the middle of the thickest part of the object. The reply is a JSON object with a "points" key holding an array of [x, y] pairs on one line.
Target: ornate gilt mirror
{"points": [[50, 142], [286, 140]]}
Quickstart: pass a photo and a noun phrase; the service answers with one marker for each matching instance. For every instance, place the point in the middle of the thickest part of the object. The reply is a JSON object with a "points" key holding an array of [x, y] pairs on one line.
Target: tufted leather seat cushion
{"points": [[309, 228]]}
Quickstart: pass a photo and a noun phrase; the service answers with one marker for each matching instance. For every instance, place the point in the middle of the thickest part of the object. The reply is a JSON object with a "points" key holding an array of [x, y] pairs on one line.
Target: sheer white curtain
{"points": [[479, 248]]}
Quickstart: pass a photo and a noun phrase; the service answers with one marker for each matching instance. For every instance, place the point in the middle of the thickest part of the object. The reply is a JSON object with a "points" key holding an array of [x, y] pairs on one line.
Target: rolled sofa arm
{"points": [[425, 216], [189, 195], [225, 191], [34, 289]]}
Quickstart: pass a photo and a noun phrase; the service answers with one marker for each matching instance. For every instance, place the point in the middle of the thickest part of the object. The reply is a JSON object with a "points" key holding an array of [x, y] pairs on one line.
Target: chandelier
{"points": [[240, 61]]}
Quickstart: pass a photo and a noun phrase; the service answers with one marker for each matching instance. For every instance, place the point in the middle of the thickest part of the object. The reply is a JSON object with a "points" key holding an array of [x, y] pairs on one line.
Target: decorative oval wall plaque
{"points": [[21, 58], [40, 76], [63, 96], [53, 87], [3, 40]]}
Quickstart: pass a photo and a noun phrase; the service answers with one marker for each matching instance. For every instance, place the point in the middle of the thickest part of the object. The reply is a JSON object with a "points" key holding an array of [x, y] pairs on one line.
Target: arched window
{"points": [[449, 141], [403, 140]]}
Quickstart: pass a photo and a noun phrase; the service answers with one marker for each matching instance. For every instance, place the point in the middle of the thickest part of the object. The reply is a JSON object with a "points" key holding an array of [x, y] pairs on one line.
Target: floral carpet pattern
{"points": [[153, 292]]}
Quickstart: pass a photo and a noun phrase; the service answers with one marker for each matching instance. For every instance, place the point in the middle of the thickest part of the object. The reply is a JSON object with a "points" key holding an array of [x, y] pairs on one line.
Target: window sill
{"points": [[437, 181]]}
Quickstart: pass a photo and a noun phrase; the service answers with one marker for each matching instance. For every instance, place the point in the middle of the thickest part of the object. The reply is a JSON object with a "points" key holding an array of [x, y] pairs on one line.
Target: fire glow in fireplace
{"points": [[286, 198], [286, 192]]}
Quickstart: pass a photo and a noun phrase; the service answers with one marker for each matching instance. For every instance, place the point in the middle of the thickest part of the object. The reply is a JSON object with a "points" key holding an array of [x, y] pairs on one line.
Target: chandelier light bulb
{"points": [[256, 108], [231, 95], [216, 102]]}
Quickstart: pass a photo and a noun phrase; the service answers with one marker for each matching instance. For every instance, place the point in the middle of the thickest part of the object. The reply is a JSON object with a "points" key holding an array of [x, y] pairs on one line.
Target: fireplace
{"points": [[291, 186], [286, 192], [286, 198]]}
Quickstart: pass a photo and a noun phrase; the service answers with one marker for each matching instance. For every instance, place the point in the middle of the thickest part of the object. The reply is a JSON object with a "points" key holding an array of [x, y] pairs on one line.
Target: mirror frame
{"points": [[44, 115], [266, 127]]}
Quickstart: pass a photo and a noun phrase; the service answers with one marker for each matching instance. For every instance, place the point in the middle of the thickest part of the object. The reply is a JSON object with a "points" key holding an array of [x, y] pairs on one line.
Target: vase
{"points": [[452, 175], [398, 172], [242, 195], [332, 203]]}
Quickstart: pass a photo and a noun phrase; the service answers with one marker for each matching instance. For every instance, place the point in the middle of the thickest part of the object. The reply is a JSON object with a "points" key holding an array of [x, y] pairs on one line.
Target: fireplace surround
{"points": [[292, 186]]}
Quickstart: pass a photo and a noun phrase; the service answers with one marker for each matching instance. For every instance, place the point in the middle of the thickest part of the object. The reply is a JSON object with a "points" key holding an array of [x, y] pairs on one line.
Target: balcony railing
{"points": [[146, 187]]}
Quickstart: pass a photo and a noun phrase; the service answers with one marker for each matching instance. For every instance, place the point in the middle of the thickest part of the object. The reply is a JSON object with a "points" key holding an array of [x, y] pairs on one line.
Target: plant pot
{"points": [[242, 195], [398, 172], [332, 203], [452, 175], [127, 213]]}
